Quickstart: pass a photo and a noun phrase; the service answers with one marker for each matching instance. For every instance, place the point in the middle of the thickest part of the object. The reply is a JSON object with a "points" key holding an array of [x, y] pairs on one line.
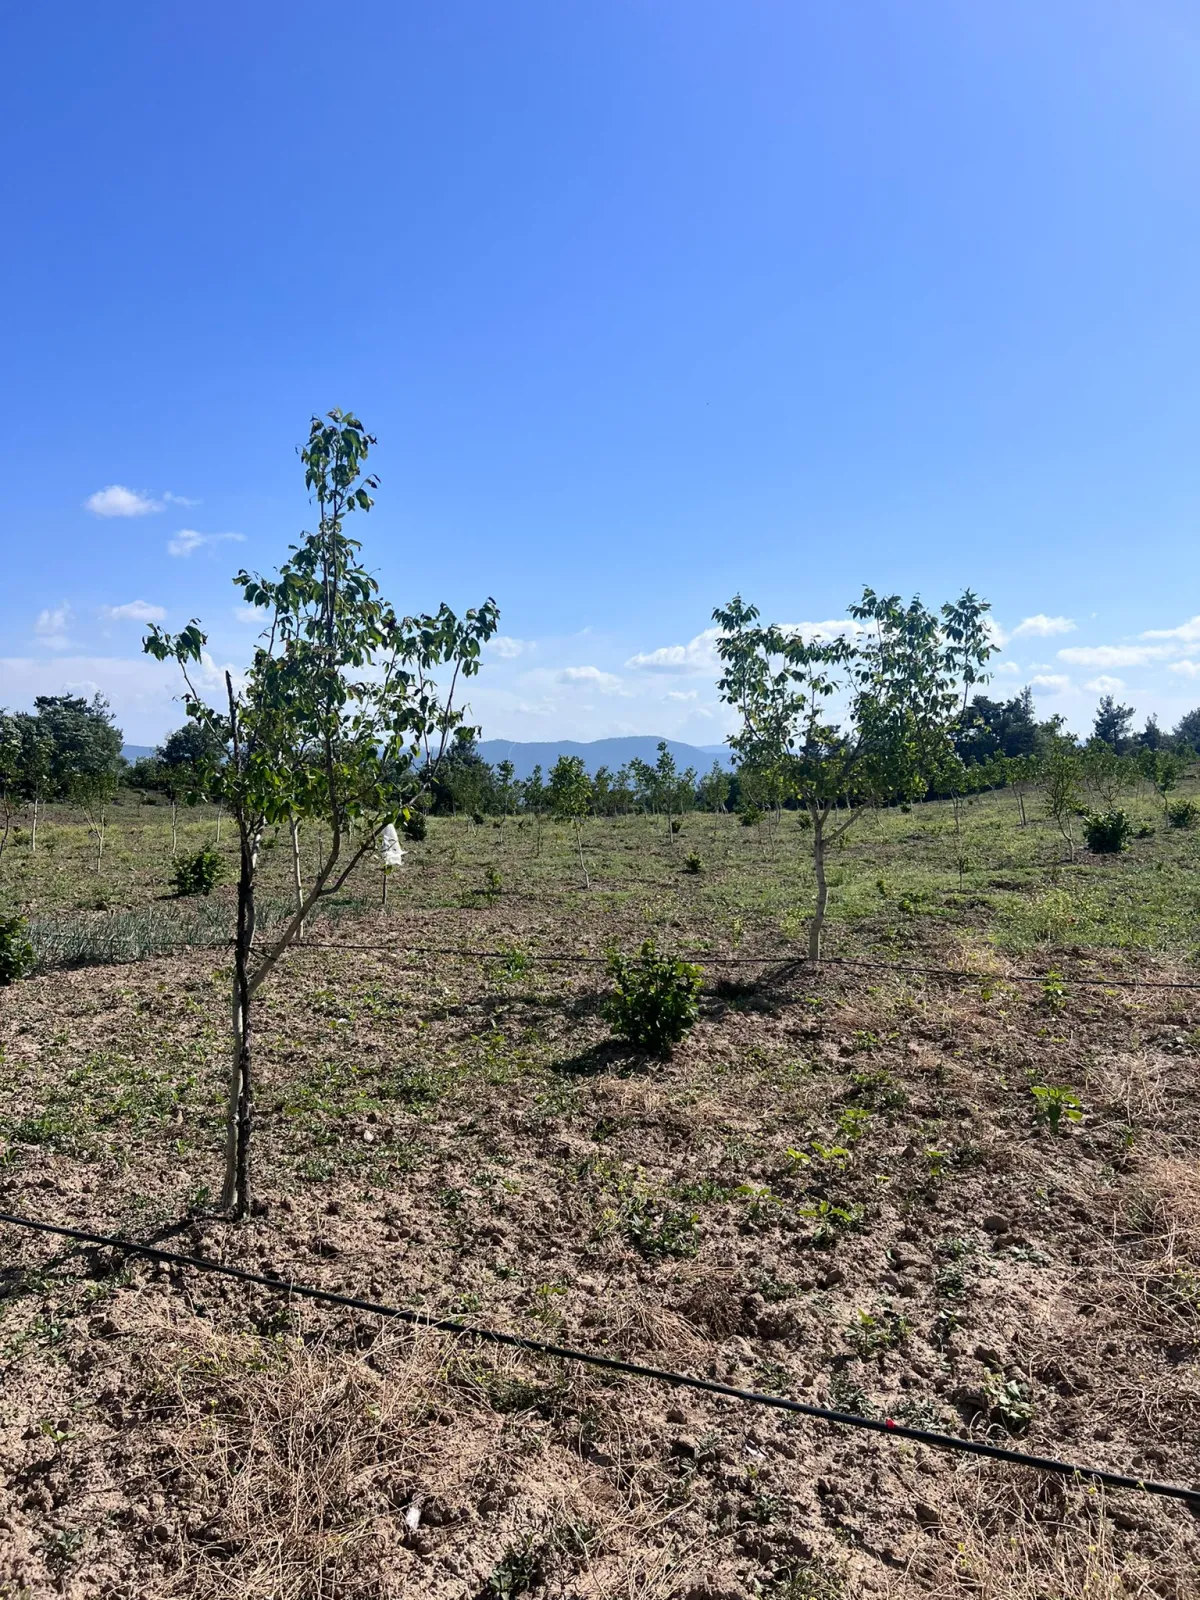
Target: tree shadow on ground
{"points": [[609, 1055]]}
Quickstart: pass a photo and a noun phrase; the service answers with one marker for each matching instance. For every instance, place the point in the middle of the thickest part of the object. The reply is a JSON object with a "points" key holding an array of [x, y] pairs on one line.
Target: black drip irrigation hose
{"points": [[886, 1425]]}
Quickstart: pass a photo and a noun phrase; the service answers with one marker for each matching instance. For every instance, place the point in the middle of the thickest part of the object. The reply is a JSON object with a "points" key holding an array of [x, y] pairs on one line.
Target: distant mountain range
{"points": [[611, 753]]}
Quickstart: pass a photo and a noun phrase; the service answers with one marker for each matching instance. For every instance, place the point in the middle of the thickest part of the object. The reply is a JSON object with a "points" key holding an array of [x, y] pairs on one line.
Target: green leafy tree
{"points": [[1106, 773], [1162, 770], [899, 678], [1187, 731], [506, 786], [10, 776], [338, 673], [570, 796], [86, 765]]}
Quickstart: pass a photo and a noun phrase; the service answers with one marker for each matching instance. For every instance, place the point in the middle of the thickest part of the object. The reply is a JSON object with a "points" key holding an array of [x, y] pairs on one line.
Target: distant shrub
{"points": [[803, 820], [1183, 814], [478, 818], [1107, 832], [692, 863], [492, 882], [655, 1000], [16, 952], [751, 817], [676, 825], [415, 825], [197, 874]]}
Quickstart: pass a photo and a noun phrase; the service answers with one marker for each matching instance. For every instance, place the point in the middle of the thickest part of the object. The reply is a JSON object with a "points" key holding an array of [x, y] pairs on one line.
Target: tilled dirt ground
{"points": [[837, 1188]]}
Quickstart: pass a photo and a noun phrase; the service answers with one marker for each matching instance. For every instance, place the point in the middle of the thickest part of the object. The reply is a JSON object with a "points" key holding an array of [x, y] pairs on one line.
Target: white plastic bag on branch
{"points": [[390, 852]]}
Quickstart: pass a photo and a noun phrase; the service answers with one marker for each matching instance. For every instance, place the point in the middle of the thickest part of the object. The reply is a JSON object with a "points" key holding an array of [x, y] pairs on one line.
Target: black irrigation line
{"points": [[938, 1441], [795, 960]]}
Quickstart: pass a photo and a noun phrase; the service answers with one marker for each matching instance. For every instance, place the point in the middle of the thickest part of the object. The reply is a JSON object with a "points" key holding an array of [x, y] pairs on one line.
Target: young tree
{"points": [[1187, 730], [1060, 778], [899, 679], [1112, 724], [85, 756], [36, 780], [570, 795], [506, 787], [338, 672], [188, 760], [10, 775], [714, 788]]}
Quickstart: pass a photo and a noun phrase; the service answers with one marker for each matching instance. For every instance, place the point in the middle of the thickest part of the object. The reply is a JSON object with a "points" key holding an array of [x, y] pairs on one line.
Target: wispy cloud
{"points": [[682, 694], [134, 611], [1186, 632], [606, 682], [180, 500], [51, 627], [508, 648], [1104, 684], [188, 540], [1043, 627], [118, 501], [1114, 655], [698, 655], [1185, 669], [1056, 682]]}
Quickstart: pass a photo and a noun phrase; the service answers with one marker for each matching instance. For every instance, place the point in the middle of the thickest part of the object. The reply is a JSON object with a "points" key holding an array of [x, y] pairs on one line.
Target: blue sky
{"points": [[646, 302]]}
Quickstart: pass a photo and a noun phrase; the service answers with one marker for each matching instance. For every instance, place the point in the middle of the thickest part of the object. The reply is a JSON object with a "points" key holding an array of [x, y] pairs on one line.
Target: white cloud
{"points": [[682, 694], [251, 613], [1054, 681], [606, 682], [179, 500], [1186, 632], [1104, 684], [1114, 655], [1185, 669], [118, 501], [698, 655], [134, 611], [1043, 627], [51, 627], [1010, 668], [187, 540], [508, 648]]}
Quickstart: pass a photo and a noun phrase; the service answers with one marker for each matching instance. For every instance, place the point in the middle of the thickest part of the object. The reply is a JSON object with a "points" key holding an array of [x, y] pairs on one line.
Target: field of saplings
{"points": [[948, 1177]]}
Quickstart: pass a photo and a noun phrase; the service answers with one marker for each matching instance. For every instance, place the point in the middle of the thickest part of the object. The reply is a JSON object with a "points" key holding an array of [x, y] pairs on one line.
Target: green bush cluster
{"points": [[16, 952], [1183, 814], [1107, 832], [655, 1000], [415, 825], [198, 873]]}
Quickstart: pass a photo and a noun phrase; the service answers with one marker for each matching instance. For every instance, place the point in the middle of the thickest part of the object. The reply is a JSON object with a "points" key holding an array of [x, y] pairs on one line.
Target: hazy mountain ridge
{"points": [[611, 753]]}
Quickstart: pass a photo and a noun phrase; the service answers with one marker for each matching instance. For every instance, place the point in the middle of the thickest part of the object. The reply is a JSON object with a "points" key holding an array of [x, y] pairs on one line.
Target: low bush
{"points": [[16, 952], [415, 825], [1183, 814], [655, 1000], [197, 874], [1107, 832], [751, 817], [676, 825], [693, 863]]}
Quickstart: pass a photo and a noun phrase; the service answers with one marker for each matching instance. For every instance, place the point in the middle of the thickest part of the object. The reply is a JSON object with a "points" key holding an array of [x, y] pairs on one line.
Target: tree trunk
{"points": [[817, 924], [587, 882], [219, 824], [33, 830], [235, 1192], [1021, 805], [174, 828], [297, 881]]}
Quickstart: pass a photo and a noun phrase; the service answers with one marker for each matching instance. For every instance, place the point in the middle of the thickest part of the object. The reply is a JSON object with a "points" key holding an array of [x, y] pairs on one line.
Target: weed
{"points": [[520, 1570], [1011, 1404], [1054, 991], [873, 1332], [832, 1221], [1054, 1105], [658, 1229], [847, 1394], [693, 863], [492, 882], [812, 1580], [852, 1123]]}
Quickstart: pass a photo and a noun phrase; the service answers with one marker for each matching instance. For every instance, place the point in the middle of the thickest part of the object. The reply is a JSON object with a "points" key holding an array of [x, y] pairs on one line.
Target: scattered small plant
{"points": [[693, 863], [16, 952], [655, 1000], [751, 817], [1183, 814], [658, 1229], [1107, 832], [872, 1332], [832, 1221], [492, 882], [1055, 1105], [1011, 1403], [198, 873], [1054, 991]]}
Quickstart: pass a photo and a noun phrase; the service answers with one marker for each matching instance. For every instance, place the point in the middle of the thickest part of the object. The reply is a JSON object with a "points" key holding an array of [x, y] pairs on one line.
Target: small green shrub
{"points": [[1183, 814], [16, 952], [478, 818], [676, 825], [693, 864], [492, 882], [1053, 1105], [1107, 832], [197, 874], [415, 826], [655, 1002], [751, 817]]}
